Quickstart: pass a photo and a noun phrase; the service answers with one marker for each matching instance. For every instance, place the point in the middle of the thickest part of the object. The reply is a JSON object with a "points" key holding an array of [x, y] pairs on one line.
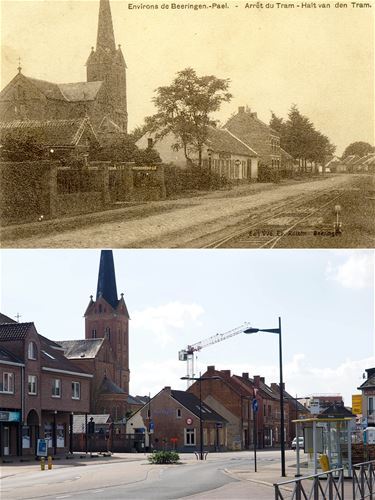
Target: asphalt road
{"points": [[139, 480]]}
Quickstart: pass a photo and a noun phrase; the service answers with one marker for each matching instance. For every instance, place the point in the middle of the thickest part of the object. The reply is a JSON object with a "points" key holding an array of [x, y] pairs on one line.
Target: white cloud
{"points": [[356, 272], [164, 319]]}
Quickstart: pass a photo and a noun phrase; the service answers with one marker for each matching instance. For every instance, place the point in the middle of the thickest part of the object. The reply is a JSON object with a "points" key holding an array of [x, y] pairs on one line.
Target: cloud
{"points": [[355, 273], [164, 319]]}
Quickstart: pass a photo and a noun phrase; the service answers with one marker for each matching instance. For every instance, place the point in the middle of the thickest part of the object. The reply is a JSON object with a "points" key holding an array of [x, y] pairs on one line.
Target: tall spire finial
{"points": [[107, 279], [19, 65], [106, 37]]}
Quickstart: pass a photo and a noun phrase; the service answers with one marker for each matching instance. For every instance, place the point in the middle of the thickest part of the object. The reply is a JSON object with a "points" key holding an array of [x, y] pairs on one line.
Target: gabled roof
{"points": [[335, 410], [109, 387], [49, 89], [191, 403], [14, 331], [369, 383], [80, 91], [79, 349], [57, 133], [54, 359], [223, 141]]}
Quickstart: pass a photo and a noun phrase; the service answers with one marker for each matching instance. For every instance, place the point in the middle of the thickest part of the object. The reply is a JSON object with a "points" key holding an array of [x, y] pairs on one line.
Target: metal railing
{"points": [[364, 480], [324, 486]]}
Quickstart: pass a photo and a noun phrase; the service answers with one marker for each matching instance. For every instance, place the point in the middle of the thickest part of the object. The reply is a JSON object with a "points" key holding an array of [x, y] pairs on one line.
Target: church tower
{"points": [[108, 317], [107, 64]]}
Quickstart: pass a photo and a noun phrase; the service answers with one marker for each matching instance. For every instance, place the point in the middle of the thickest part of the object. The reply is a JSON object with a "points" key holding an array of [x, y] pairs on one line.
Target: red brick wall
{"points": [[11, 401]]}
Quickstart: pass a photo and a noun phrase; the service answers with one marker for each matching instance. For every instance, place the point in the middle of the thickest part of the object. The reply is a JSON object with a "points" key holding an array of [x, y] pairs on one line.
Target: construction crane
{"points": [[188, 353]]}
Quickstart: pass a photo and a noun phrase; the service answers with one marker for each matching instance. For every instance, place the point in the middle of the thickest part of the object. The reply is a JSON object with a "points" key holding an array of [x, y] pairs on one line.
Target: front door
{"points": [[6, 439]]}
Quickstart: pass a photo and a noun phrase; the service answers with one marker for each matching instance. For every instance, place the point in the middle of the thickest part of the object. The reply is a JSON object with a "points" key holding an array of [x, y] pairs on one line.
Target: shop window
{"points": [[60, 436], [32, 351], [48, 434], [7, 384], [189, 437], [56, 388], [26, 438], [32, 384], [76, 390]]}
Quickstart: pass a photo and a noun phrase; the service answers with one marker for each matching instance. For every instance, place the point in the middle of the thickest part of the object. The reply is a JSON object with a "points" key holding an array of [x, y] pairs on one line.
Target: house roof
{"points": [[14, 331], [335, 410], [223, 141], [6, 355], [78, 349], [369, 383], [6, 319], [191, 402], [57, 133], [53, 358]]}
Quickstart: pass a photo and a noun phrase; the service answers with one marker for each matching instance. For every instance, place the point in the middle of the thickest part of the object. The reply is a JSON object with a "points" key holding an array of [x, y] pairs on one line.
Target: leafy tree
{"points": [[184, 107], [121, 148], [359, 148], [27, 148]]}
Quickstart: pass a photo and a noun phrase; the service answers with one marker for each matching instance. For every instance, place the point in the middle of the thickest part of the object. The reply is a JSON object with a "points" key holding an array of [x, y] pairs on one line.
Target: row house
{"points": [[40, 391], [223, 153], [232, 396], [173, 420], [368, 397]]}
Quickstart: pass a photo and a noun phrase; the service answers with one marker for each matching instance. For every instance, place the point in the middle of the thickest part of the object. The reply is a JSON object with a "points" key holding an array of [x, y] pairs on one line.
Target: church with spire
{"points": [[105, 350], [102, 99]]}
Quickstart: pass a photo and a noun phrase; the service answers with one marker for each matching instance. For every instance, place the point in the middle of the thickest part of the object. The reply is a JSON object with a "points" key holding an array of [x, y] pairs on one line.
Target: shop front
{"points": [[9, 433]]}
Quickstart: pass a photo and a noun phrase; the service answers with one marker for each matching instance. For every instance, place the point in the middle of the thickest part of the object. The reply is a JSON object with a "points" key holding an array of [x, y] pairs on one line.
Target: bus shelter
{"points": [[324, 438]]}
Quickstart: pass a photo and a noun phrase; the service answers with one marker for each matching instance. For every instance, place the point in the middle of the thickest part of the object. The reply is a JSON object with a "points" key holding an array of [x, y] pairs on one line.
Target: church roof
{"points": [[106, 36], [49, 89], [80, 91], [79, 349], [109, 387], [63, 133], [107, 279]]}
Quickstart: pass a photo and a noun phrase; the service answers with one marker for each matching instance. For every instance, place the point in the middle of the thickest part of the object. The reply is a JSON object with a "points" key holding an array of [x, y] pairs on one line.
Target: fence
{"points": [[364, 480], [325, 486]]}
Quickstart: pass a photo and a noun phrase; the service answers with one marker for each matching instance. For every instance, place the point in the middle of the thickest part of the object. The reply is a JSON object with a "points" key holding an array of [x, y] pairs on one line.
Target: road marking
{"points": [[98, 491], [64, 496]]}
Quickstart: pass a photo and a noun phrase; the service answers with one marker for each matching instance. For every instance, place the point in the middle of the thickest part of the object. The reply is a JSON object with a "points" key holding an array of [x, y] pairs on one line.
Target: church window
{"points": [[107, 332], [93, 334], [100, 308]]}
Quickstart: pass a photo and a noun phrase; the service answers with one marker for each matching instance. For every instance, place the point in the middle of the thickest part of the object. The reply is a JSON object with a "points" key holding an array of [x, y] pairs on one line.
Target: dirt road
{"points": [[179, 224]]}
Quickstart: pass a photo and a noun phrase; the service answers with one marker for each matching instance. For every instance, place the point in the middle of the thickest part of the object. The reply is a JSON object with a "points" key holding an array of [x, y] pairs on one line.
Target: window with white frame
{"points": [[76, 390], [7, 383], [32, 384], [56, 388], [189, 437], [32, 350]]}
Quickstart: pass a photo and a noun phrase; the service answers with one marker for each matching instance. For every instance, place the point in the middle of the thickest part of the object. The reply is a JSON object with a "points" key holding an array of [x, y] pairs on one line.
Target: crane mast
{"points": [[188, 353]]}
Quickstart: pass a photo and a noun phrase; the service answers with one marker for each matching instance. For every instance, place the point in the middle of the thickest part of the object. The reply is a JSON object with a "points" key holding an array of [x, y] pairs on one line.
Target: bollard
{"points": [[49, 462], [42, 463]]}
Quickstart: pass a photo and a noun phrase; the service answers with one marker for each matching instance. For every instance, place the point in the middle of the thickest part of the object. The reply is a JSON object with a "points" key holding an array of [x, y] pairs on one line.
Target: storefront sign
{"points": [[41, 449], [144, 168], [10, 416], [357, 404]]}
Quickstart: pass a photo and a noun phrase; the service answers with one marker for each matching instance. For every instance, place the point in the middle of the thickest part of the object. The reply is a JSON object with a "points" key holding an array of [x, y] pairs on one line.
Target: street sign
{"points": [[41, 449], [189, 421], [255, 405], [151, 427]]}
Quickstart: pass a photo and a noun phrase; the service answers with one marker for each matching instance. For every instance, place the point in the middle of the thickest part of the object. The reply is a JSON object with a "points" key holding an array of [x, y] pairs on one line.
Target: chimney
{"points": [[275, 388], [245, 375], [226, 373], [254, 115], [256, 381], [241, 109], [211, 368], [167, 389]]}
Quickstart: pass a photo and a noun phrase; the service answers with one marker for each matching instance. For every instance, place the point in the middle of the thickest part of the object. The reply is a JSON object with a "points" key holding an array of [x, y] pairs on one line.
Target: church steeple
{"points": [[107, 279], [106, 36]]}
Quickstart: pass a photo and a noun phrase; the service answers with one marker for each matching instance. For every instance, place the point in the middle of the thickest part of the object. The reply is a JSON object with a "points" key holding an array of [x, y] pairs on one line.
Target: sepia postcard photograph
{"points": [[187, 124]]}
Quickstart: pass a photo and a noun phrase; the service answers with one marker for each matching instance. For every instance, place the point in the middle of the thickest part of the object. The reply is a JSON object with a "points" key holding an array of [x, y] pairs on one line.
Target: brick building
{"points": [[102, 97], [246, 125], [174, 420], [39, 391], [105, 350], [232, 396]]}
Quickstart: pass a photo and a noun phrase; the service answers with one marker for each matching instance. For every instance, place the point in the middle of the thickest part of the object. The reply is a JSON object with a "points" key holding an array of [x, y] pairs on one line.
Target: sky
{"points": [[322, 60], [178, 297]]}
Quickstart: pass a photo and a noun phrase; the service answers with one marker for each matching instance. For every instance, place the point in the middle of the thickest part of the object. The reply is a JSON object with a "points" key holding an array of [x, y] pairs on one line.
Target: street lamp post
{"points": [[282, 424]]}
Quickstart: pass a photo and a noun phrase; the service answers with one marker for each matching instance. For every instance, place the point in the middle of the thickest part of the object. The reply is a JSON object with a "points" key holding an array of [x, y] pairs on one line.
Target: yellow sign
{"points": [[357, 404]]}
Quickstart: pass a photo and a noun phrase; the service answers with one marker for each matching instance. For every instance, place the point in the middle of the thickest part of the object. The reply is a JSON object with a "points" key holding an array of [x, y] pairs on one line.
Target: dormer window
{"points": [[32, 351]]}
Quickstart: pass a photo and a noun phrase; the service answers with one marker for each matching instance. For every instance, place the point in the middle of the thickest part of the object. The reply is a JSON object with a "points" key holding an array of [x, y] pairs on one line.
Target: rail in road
{"points": [[260, 231]]}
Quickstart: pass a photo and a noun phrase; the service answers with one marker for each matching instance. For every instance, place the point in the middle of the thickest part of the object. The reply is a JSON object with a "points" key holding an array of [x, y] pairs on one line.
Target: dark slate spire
{"points": [[106, 37], [107, 279]]}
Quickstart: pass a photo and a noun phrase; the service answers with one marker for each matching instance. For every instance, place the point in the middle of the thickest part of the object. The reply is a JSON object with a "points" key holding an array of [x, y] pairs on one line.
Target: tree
{"points": [[183, 109], [121, 148], [358, 148], [26, 148]]}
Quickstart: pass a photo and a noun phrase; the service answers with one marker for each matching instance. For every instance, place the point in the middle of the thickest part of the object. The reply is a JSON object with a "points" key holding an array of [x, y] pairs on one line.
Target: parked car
{"points": [[300, 443]]}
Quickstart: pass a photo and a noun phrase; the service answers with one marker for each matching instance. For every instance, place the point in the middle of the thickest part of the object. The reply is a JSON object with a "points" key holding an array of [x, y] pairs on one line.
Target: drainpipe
{"points": [[22, 423]]}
